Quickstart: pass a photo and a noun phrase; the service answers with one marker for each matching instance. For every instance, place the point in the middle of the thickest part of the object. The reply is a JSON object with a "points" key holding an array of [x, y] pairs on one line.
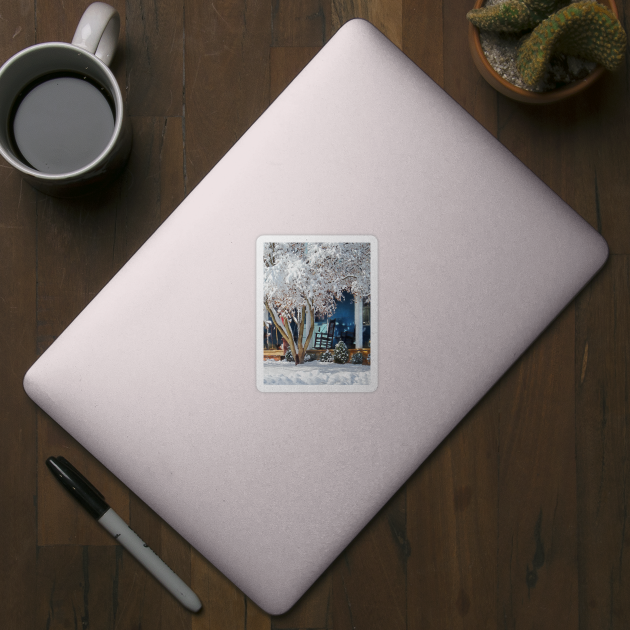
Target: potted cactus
{"points": [[559, 49]]}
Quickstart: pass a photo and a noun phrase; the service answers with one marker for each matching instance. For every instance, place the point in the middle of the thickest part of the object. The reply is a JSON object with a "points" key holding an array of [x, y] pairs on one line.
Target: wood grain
{"points": [[386, 15], [300, 22], [224, 606], [18, 416], [461, 79], [285, 64], [313, 609], [76, 587], [154, 57], [17, 28], [537, 509], [602, 380], [226, 78], [422, 36], [609, 134], [452, 515], [369, 577]]}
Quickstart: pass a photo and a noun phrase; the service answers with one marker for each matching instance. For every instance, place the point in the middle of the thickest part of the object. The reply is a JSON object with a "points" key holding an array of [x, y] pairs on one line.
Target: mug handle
{"points": [[98, 30]]}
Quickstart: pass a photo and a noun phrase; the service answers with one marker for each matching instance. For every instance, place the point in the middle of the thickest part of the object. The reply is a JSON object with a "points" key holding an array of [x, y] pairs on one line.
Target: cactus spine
{"points": [[583, 29], [513, 16]]}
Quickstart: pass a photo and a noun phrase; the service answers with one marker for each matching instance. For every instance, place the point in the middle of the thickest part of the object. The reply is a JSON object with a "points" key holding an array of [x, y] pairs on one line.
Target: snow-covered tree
{"points": [[305, 280]]}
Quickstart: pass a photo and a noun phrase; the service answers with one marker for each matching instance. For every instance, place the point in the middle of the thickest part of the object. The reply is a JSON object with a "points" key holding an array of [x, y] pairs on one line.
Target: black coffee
{"points": [[62, 122]]}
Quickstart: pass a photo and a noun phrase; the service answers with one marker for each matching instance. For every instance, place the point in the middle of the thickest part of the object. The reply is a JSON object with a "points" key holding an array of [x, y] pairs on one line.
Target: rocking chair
{"points": [[324, 340]]}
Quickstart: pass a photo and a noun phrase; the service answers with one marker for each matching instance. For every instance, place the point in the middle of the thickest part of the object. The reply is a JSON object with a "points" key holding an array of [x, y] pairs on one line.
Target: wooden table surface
{"points": [[518, 520]]}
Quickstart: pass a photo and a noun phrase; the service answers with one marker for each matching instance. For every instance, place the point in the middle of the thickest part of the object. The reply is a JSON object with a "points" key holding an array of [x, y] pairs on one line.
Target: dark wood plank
{"points": [[285, 64], [608, 126], [255, 618], [154, 57], [17, 28], [300, 23], [18, 415], [76, 587], [223, 604], [57, 23], [608, 135], [452, 527], [570, 146], [313, 609], [537, 537], [225, 607], [226, 78], [171, 157], [74, 245], [422, 36], [369, 577], [563, 147], [18, 422], [461, 78], [386, 15], [603, 443]]}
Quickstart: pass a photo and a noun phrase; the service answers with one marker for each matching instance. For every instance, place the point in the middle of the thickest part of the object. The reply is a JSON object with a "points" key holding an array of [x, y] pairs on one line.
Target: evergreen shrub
{"points": [[341, 353]]}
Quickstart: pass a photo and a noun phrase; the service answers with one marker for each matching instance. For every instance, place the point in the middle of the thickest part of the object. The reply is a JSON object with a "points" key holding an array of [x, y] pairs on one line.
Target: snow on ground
{"points": [[315, 373]]}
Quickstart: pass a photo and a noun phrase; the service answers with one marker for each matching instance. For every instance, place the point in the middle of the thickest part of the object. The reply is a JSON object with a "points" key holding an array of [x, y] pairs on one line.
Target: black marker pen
{"points": [[94, 502]]}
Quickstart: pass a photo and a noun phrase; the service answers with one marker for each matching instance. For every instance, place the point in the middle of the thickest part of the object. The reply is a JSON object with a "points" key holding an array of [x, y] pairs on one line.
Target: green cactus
{"points": [[584, 29], [513, 16]]}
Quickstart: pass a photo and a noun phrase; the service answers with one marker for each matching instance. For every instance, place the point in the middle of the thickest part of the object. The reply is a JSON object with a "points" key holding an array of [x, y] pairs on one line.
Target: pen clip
{"points": [[69, 466]]}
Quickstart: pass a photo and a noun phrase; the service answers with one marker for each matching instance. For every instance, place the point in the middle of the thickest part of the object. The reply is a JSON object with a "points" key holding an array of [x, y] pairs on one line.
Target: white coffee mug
{"points": [[102, 143]]}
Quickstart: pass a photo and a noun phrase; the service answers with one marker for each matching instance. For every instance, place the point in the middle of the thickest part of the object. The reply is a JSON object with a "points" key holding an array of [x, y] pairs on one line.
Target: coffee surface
{"points": [[62, 124]]}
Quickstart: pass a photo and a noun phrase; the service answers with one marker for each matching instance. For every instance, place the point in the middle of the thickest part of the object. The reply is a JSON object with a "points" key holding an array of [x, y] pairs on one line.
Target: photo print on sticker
{"points": [[316, 313]]}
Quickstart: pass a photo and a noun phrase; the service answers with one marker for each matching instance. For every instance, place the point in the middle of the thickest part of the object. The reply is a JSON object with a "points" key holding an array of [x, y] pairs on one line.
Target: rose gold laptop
{"points": [[441, 259]]}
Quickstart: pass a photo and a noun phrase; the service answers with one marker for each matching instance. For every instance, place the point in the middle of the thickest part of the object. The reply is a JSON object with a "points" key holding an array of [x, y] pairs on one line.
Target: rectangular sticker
{"points": [[316, 307]]}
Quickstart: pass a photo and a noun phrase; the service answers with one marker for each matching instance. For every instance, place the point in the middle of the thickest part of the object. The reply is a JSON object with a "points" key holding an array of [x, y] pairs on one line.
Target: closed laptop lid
{"points": [[162, 376]]}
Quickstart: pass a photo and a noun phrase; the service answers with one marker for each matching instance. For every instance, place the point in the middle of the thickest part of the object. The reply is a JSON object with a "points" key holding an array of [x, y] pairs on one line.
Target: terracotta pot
{"points": [[518, 94]]}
